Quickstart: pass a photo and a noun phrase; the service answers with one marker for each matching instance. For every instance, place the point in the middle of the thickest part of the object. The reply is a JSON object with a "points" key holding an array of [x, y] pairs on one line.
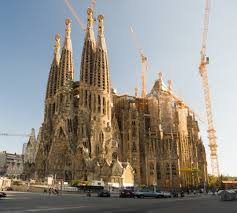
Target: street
{"points": [[17, 202]]}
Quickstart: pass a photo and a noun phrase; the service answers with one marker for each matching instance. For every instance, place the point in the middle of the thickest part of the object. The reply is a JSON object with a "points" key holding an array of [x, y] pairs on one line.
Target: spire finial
{"points": [[160, 76], [68, 28], [170, 85], [101, 25], [57, 47], [90, 18], [67, 42]]}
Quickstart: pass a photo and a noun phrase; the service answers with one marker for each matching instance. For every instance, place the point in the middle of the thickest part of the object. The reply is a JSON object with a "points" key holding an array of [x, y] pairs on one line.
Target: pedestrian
{"points": [[50, 190]]}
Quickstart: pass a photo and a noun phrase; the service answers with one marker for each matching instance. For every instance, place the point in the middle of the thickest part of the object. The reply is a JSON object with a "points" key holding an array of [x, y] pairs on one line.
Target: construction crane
{"points": [[16, 135], [143, 62], [203, 72], [74, 13]]}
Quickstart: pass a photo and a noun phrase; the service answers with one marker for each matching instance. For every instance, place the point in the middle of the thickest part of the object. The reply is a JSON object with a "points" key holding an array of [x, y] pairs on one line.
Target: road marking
{"points": [[44, 209], [54, 209]]}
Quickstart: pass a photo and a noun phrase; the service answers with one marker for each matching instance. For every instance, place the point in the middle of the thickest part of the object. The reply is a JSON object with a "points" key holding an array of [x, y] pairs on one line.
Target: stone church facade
{"points": [[88, 129]]}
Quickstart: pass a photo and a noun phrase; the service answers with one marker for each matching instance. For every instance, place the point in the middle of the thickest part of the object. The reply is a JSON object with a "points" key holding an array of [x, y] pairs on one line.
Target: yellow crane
{"points": [[204, 76], [143, 62]]}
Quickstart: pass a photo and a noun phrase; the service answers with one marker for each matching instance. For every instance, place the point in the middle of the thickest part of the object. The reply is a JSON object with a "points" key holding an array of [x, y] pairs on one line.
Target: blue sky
{"points": [[169, 31]]}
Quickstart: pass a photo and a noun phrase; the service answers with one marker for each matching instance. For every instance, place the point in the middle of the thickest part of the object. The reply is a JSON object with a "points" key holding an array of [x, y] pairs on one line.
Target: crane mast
{"points": [[143, 63], [14, 134], [203, 72]]}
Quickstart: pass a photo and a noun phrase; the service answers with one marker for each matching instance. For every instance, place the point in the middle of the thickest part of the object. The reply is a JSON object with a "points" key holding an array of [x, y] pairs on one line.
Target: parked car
{"points": [[3, 194], [166, 194], [126, 193], [104, 193], [148, 193]]}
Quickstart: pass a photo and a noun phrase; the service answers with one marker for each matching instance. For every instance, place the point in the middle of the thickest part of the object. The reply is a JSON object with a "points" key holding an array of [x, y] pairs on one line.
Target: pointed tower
{"points": [[101, 97], [31, 148], [101, 67], [101, 75], [88, 53], [66, 68], [87, 65], [52, 79]]}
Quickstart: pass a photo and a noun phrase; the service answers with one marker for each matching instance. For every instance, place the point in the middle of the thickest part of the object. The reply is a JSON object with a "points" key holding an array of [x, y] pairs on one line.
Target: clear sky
{"points": [[169, 32]]}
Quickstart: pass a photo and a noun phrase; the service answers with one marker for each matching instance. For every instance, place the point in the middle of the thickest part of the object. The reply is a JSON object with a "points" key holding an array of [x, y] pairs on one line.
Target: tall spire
{"points": [[88, 53], [101, 67], [53, 74], [66, 67]]}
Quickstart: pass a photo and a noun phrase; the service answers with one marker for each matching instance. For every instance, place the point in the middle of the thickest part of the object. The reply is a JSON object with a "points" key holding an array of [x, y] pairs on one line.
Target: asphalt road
{"points": [[17, 202]]}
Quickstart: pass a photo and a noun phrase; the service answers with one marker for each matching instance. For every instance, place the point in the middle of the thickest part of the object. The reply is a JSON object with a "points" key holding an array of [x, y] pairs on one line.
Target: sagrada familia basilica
{"points": [[90, 132]]}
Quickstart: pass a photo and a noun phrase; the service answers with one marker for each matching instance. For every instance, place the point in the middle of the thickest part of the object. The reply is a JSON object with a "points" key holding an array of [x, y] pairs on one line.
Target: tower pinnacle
{"points": [[90, 19], [101, 39], [66, 67], [101, 25], [89, 30], [88, 53], [67, 42], [57, 48]]}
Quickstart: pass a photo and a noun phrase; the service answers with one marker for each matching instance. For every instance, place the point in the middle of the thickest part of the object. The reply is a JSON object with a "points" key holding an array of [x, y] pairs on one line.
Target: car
{"points": [[104, 193], [3, 194], [166, 194], [126, 193], [147, 193]]}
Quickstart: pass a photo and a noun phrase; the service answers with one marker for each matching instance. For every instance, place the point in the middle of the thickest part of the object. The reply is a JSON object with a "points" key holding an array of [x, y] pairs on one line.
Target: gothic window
{"points": [[86, 98], [61, 133], [158, 171], [167, 169], [108, 108], [94, 103], [151, 169], [82, 131], [75, 125], [61, 98], [68, 126], [90, 101], [104, 107], [134, 148], [114, 156], [97, 149], [101, 137], [99, 104], [53, 108], [85, 144], [134, 131], [174, 169]]}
